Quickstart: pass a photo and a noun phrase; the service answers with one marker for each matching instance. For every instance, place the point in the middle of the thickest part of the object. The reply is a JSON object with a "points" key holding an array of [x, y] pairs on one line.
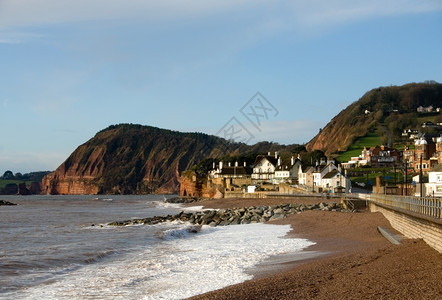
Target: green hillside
{"points": [[384, 111], [355, 149]]}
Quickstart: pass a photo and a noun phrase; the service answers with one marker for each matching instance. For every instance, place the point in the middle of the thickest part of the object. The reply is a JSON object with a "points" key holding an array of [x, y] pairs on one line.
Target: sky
{"points": [[244, 70]]}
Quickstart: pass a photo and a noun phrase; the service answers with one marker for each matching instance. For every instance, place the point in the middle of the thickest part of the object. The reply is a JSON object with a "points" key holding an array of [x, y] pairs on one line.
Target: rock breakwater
{"points": [[233, 216]]}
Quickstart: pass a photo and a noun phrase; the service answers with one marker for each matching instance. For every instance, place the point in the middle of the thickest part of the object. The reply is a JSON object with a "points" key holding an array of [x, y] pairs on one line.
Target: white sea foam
{"points": [[162, 204], [193, 208], [180, 265]]}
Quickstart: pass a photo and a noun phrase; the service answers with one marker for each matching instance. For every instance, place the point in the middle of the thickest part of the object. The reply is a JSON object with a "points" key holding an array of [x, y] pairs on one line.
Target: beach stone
{"points": [[245, 221], [278, 211], [267, 214], [255, 219], [224, 223], [235, 220], [276, 217]]}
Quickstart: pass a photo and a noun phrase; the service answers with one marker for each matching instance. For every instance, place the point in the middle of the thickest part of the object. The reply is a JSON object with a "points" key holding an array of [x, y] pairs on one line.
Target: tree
{"points": [[8, 175]]}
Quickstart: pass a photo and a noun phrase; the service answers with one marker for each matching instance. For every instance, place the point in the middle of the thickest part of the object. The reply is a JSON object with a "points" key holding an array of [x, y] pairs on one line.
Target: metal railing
{"points": [[427, 206]]}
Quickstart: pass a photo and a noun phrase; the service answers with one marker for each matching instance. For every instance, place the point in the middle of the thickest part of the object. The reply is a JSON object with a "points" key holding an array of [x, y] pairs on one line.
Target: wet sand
{"points": [[350, 260]]}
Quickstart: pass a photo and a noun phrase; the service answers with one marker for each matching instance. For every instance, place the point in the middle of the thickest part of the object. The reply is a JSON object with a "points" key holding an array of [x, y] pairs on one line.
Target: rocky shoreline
{"points": [[234, 216]]}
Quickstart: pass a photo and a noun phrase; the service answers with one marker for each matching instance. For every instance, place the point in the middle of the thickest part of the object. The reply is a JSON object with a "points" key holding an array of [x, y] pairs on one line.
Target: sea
{"points": [[60, 247]]}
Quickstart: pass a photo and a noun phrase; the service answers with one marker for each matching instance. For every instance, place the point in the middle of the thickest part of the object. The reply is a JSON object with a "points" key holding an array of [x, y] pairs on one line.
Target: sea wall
{"points": [[412, 225]]}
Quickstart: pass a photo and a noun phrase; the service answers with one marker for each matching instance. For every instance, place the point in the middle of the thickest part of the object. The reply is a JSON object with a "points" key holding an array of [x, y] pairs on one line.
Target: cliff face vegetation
{"points": [[135, 159], [385, 111]]}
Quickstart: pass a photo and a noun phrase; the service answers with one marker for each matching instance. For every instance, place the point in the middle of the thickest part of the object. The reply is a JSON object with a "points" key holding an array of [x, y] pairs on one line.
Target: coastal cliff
{"points": [[136, 159], [129, 159]]}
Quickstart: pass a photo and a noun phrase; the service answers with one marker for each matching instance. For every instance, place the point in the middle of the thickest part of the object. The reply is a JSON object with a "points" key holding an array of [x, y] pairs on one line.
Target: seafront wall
{"points": [[412, 225]]}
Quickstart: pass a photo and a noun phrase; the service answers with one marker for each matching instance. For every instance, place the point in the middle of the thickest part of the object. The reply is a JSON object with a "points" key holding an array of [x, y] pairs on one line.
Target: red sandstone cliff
{"points": [[131, 159], [135, 159]]}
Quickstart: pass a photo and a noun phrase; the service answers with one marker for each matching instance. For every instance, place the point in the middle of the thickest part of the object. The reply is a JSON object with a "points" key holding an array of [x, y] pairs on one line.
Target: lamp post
{"points": [[420, 176], [405, 179]]}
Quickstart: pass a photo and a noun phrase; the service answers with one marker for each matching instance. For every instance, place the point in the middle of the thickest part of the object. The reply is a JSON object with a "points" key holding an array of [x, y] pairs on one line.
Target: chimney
{"points": [[268, 153], [276, 154], [213, 166], [236, 163], [292, 161], [245, 164], [279, 162], [220, 165]]}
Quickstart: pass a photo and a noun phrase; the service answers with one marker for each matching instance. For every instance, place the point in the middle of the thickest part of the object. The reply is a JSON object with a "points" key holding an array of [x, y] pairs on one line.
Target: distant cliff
{"points": [[136, 159], [385, 111]]}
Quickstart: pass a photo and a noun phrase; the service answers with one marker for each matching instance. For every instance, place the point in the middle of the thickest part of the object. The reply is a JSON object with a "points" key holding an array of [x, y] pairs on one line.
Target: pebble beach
{"points": [[350, 260]]}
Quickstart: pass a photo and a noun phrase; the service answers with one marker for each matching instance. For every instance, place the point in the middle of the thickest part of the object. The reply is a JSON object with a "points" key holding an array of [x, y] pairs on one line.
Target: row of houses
{"points": [[426, 154], [271, 169]]}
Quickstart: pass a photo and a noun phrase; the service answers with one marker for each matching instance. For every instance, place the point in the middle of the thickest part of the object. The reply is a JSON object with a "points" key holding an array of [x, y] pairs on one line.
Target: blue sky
{"points": [[72, 68]]}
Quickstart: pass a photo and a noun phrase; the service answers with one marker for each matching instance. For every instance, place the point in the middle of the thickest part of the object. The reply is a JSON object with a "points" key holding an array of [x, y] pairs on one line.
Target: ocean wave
{"points": [[162, 204], [95, 257], [182, 232]]}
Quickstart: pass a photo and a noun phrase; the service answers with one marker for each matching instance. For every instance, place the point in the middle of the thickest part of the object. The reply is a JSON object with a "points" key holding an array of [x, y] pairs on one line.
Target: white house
{"points": [[287, 172], [434, 185], [264, 167], [320, 172], [305, 175], [335, 182]]}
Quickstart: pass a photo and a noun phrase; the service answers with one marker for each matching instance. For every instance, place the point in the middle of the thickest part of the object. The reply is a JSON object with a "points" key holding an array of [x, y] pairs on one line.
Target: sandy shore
{"points": [[354, 262]]}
